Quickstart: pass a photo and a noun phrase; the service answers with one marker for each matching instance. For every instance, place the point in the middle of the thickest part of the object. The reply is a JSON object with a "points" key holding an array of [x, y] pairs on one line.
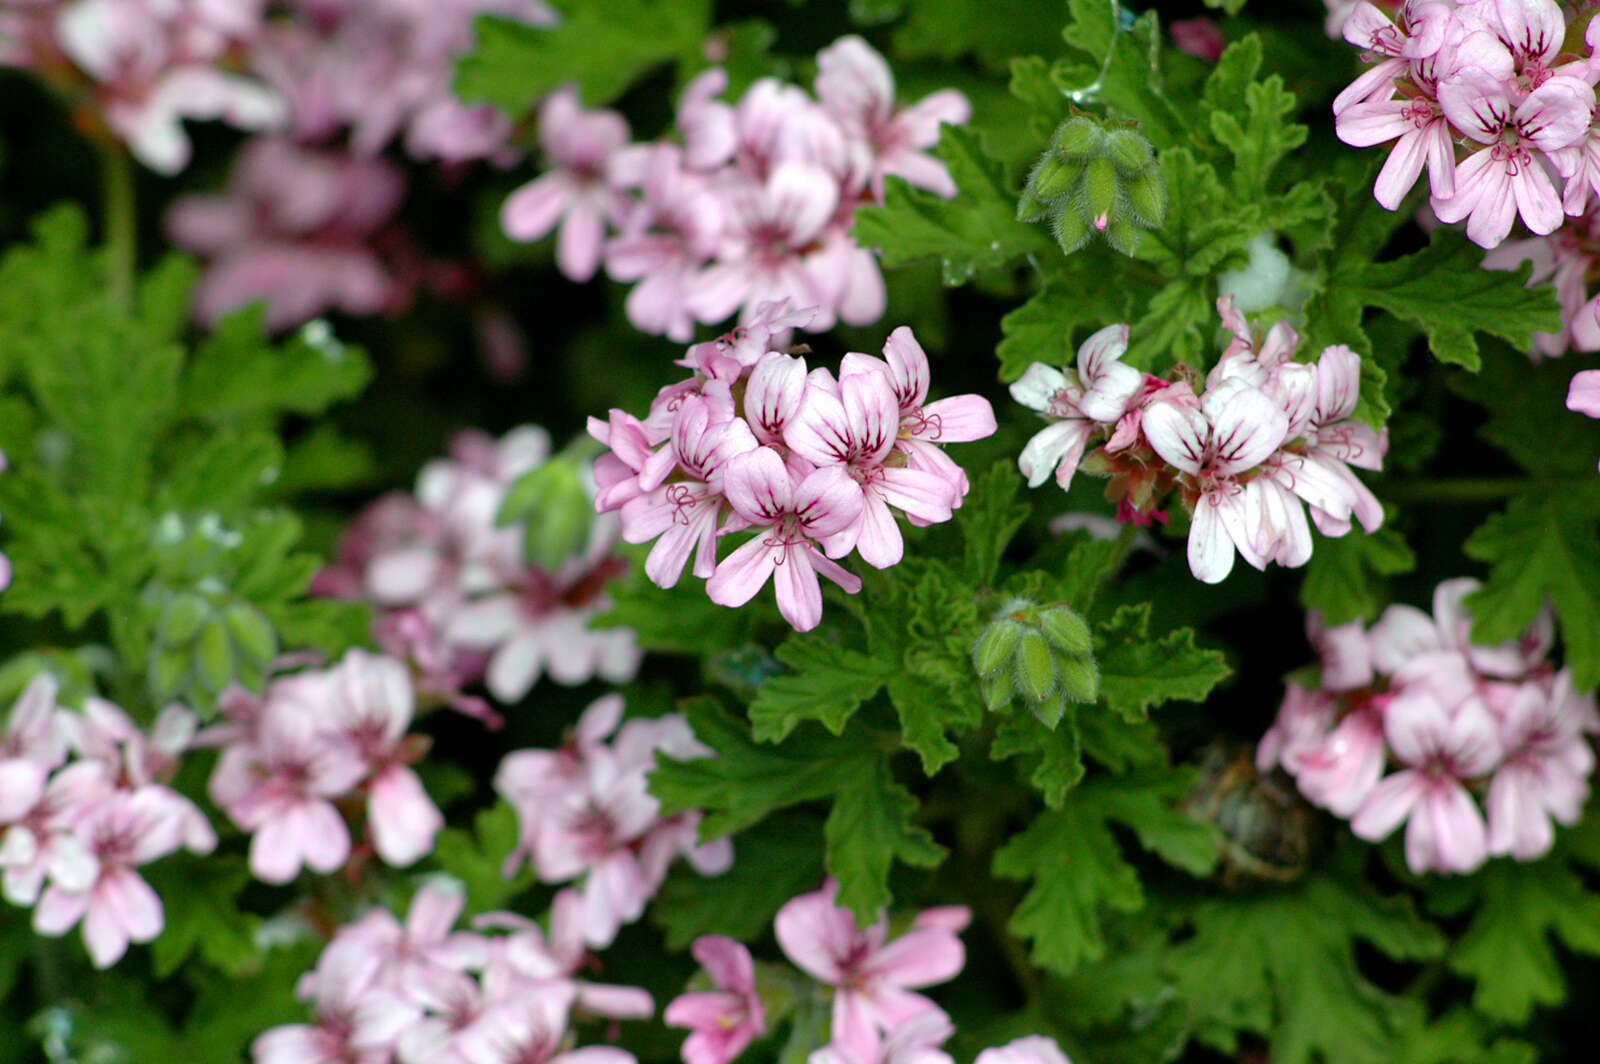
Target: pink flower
{"points": [[372, 709], [856, 430], [1079, 403], [872, 979], [725, 1020], [1440, 748], [1545, 774], [924, 425], [127, 829], [279, 786], [1237, 428], [1033, 1049], [856, 86], [578, 193], [1502, 179], [531, 1028], [795, 517]]}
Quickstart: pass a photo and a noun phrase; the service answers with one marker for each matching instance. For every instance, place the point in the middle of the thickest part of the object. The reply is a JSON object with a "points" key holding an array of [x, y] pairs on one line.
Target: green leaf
{"points": [[828, 685], [989, 516], [1055, 754], [868, 829], [1281, 964], [1125, 73], [1538, 547], [975, 231], [602, 45], [773, 865], [1445, 291], [1527, 416], [672, 621], [203, 915], [1261, 139], [1077, 868], [237, 375], [1138, 672], [747, 780], [477, 858], [1074, 292], [1506, 949], [1343, 576], [994, 32]]}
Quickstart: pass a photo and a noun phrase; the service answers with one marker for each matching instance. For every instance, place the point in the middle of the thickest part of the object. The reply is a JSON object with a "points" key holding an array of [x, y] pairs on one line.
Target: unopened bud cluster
{"points": [[1045, 654], [1095, 180]]}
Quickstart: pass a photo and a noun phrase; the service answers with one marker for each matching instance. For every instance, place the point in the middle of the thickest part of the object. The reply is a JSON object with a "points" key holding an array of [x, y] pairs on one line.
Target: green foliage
{"points": [[975, 231], [1538, 548], [871, 819], [141, 472], [775, 862], [602, 45], [1281, 964], [1343, 578], [1077, 868], [205, 918], [478, 858], [1138, 672]]}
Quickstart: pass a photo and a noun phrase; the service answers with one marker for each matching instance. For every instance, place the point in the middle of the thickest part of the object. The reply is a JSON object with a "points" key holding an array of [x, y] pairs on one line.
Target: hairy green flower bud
{"points": [[1036, 667], [996, 645], [1123, 233], [1100, 187], [1031, 208], [1052, 178], [1050, 711], [1080, 678], [1071, 228], [1067, 630], [1078, 138], [1128, 151], [998, 690], [1147, 198]]}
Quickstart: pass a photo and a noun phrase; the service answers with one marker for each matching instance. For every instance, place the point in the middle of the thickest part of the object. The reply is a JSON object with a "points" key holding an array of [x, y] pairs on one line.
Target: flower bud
{"points": [[1147, 198], [1071, 230], [1050, 711], [1128, 151], [1100, 187], [555, 510], [1080, 678], [1052, 178], [1036, 667], [1067, 630], [996, 645], [998, 690], [1078, 138], [1123, 233]]}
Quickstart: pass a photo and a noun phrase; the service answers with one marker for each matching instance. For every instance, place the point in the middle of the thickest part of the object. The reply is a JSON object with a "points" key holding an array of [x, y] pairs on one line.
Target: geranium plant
{"points": [[1166, 434]]}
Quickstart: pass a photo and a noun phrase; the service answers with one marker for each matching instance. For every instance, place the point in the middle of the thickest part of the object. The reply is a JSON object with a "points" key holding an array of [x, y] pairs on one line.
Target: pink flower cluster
{"points": [[1265, 435], [456, 596], [874, 1003], [877, 1017], [420, 993], [753, 206], [816, 465], [380, 70], [1490, 75], [143, 66], [585, 812], [314, 749], [307, 224], [1458, 723], [82, 806]]}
